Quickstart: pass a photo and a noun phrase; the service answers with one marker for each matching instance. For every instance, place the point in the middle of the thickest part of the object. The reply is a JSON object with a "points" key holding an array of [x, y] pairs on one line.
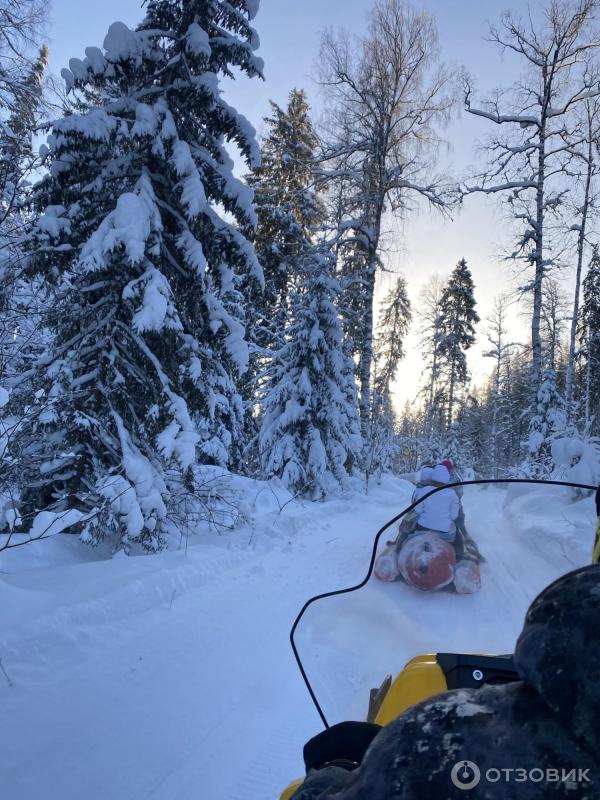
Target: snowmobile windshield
{"points": [[455, 574]]}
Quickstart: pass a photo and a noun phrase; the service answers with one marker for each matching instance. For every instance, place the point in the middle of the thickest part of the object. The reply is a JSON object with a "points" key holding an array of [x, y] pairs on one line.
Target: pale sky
{"points": [[289, 32]]}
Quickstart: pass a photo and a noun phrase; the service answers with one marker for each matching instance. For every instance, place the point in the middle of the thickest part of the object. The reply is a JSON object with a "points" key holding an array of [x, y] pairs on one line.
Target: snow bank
{"points": [[50, 523], [576, 460]]}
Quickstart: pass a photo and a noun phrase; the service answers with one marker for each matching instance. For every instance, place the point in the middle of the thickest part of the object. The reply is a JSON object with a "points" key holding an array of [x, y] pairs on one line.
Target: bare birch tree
{"points": [[430, 314], [536, 117], [500, 350], [387, 95], [22, 66], [21, 22]]}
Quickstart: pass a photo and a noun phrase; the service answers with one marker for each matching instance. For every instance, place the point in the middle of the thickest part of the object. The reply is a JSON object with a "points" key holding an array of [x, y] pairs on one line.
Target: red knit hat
{"points": [[448, 463]]}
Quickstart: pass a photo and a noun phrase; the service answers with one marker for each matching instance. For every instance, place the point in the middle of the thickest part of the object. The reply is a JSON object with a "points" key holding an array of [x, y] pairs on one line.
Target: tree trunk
{"points": [[588, 380], [451, 395], [366, 353], [536, 339], [580, 249], [494, 437], [432, 382]]}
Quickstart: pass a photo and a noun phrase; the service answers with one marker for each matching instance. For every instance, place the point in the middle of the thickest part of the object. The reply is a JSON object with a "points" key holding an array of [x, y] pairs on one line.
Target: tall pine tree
{"points": [[458, 318], [145, 267], [287, 210], [394, 322], [287, 213], [310, 433]]}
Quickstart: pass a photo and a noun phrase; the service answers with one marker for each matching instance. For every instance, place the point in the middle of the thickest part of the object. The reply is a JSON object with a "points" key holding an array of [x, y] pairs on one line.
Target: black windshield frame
{"points": [[380, 532]]}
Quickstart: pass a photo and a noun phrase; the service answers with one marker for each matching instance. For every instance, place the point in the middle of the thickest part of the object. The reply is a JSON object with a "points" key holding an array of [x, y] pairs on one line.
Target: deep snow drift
{"points": [[171, 676]]}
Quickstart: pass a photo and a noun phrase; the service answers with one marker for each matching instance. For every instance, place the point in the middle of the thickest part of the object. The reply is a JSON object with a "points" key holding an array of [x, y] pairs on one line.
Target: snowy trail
{"points": [[122, 689], [171, 677]]}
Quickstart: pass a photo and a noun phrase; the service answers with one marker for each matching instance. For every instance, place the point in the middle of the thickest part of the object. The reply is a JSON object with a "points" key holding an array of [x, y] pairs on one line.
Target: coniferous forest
{"points": [[169, 317]]}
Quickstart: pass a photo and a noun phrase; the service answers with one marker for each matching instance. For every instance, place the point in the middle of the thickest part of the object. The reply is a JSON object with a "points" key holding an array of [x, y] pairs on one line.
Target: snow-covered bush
{"points": [[215, 500], [548, 422], [576, 460]]}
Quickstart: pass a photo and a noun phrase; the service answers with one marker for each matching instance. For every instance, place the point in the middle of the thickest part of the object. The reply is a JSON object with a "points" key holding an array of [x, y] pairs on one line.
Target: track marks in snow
{"points": [[268, 773]]}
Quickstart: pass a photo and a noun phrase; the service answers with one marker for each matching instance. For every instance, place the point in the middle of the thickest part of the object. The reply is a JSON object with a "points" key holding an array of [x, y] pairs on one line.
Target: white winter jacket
{"points": [[420, 492], [439, 512]]}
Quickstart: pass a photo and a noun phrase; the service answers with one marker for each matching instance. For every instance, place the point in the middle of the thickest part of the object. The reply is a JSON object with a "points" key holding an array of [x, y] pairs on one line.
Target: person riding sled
{"points": [[439, 511], [386, 566], [464, 540], [423, 487]]}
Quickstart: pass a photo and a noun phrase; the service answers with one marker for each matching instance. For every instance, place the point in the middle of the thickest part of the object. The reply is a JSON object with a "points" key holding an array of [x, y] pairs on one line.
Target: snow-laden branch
{"points": [[501, 187]]}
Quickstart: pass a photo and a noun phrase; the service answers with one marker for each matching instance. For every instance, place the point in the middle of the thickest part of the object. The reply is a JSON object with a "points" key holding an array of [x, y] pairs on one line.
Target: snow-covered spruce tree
{"points": [[310, 433], [430, 328], [547, 424], [395, 316], [458, 318], [22, 301], [287, 210], [22, 65], [287, 213], [147, 317], [16, 151]]}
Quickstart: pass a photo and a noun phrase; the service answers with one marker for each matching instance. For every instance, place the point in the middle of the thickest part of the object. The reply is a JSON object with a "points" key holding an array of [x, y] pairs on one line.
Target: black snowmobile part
{"points": [[342, 745], [381, 531], [465, 671]]}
